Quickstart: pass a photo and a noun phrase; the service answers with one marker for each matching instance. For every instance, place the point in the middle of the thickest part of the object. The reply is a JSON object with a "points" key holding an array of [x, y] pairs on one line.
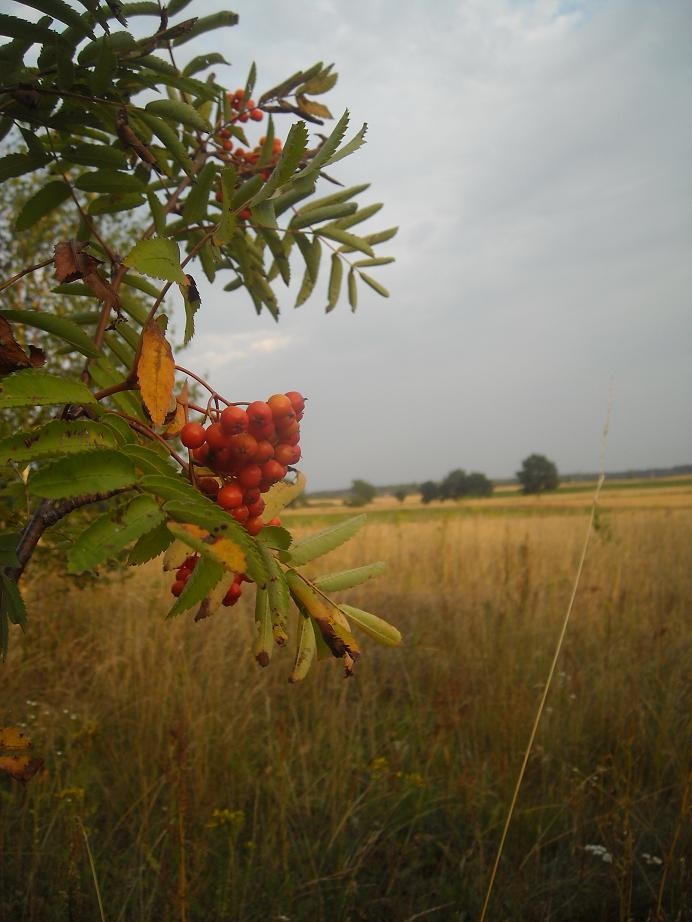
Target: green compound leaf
{"points": [[195, 209], [314, 546], [159, 258], [67, 330], [97, 155], [42, 203], [204, 577], [350, 240], [347, 579], [32, 388], [108, 535], [98, 471], [264, 642], [150, 461], [150, 545], [59, 437], [377, 628]]}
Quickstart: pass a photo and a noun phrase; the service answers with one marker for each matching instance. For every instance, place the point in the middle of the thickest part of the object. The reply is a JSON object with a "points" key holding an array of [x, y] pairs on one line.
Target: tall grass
{"points": [[210, 789]]}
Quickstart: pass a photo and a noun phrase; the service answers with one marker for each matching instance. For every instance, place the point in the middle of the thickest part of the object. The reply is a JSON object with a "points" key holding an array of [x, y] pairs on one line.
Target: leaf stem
{"points": [[20, 275]]}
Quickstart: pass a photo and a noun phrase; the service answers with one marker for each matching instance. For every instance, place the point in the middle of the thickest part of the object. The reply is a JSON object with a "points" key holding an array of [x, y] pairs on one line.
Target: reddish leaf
{"points": [[13, 356]]}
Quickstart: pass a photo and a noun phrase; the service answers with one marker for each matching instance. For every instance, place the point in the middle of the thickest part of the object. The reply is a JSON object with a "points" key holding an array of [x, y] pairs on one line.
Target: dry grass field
{"points": [[201, 787]]}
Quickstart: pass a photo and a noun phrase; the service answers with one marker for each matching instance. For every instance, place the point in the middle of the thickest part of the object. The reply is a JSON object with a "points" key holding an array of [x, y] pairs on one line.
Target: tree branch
{"points": [[47, 514]]}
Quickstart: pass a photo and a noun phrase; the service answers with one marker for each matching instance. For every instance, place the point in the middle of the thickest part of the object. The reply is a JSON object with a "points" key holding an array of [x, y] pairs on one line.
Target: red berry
{"points": [[259, 413], [193, 435], [273, 472], [245, 214], [265, 451], [256, 508], [281, 407], [257, 115], [240, 513], [287, 454], [244, 116], [177, 587], [251, 496], [254, 525], [233, 593], [275, 521], [286, 428], [244, 446], [234, 420], [297, 400], [216, 437], [249, 476], [230, 496], [250, 104], [201, 454]]}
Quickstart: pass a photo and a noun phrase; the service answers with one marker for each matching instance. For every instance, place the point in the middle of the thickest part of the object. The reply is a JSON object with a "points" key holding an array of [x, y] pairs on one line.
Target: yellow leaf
{"points": [[21, 768], [156, 372], [229, 554], [12, 738], [281, 494], [175, 555], [311, 107], [177, 423], [212, 603]]}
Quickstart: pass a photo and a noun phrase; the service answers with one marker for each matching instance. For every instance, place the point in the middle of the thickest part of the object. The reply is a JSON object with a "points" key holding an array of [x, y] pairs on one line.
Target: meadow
{"points": [[183, 782]]}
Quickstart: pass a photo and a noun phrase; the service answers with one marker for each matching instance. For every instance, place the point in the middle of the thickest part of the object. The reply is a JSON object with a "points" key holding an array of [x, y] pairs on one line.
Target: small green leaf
{"points": [[208, 23], [377, 628], [317, 545], [99, 471], [31, 388], [150, 461], [157, 213], [351, 147], [159, 258], [13, 27], [59, 437], [202, 62], [19, 164], [305, 654], [120, 201], [380, 289], [288, 162], [352, 290], [348, 579], [109, 181], [150, 545], [109, 534], [168, 137], [328, 213], [195, 209], [264, 643], [11, 602], [328, 147], [42, 203], [349, 240], [335, 277], [342, 195], [207, 573], [65, 329], [178, 112]]}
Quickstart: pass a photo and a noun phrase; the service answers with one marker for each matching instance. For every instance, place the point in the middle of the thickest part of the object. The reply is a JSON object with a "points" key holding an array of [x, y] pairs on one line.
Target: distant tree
{"points": [[429, 491], [400, 494], [478, 485], [454, 485], [538, 475], [361, 494]]}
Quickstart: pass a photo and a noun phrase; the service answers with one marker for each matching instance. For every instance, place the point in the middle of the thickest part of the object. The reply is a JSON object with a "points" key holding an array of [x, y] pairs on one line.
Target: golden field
{"points": [[183, 782]]}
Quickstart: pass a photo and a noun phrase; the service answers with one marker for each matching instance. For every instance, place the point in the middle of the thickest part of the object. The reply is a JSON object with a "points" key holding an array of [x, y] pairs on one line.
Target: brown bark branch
{"points": [[47, 514]]}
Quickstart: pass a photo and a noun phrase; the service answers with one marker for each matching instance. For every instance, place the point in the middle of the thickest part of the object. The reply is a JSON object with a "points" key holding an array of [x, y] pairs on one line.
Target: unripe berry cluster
{"points": [[184, 571], [245, 451]]}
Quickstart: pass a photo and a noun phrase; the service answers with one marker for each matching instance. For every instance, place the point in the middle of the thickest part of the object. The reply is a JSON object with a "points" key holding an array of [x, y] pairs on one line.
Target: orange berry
{"points": [[234, 420], [249, 476], [230, 496], [254, 525], [257, 115], [193, 435], [297, 401], [281, 407]]}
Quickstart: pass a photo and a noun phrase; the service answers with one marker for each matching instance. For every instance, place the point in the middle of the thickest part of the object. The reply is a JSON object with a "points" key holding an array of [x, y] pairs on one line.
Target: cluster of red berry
{"points": [[245, 160], [248, 450], [245, 109], [184, 571]]}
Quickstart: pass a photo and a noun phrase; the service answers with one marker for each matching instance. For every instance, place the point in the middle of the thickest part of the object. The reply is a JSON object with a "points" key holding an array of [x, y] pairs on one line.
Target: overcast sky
{"points": [[537, 158]]}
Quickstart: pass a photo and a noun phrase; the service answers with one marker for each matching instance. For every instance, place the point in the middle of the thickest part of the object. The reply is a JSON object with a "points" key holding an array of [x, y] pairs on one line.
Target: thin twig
{"points": [[551, 671], [20, 275]]}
